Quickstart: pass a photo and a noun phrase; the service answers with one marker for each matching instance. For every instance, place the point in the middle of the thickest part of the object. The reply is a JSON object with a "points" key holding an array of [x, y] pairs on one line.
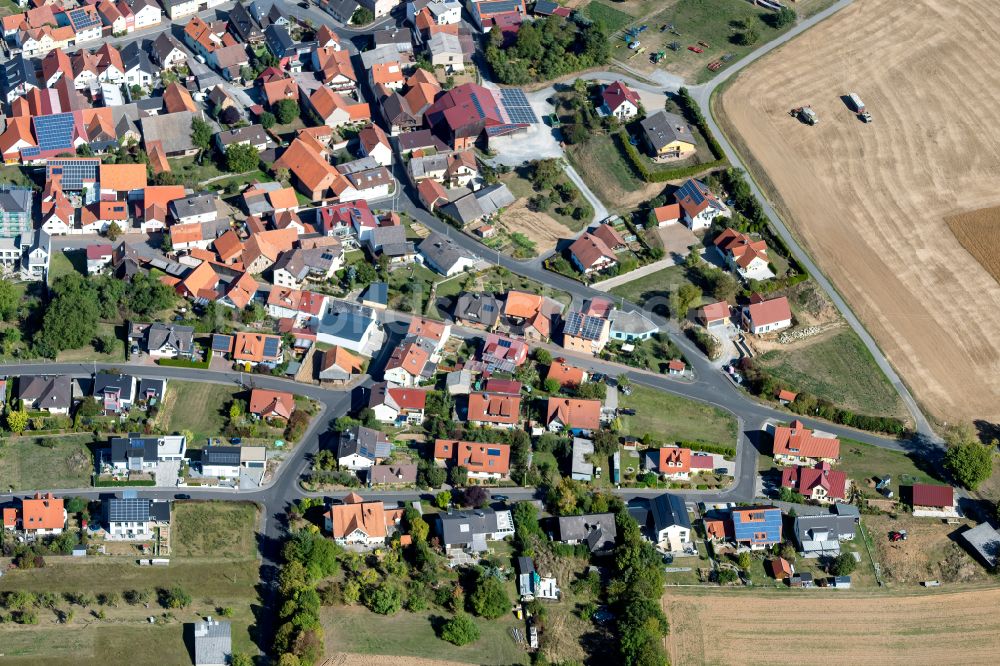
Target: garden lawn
{"points": [[214, 529], [88, 353], [669, 418], [199, 407], [27, 465], [422, 280], [603, 167], [839, 369], [64, 263], [611, 19], [652, 291], [358, 630], [863, 461], [520, 186]]}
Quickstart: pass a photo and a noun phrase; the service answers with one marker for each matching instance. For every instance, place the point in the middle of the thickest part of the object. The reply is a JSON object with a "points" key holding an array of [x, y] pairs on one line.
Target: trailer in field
{"points": [[859, 107]]}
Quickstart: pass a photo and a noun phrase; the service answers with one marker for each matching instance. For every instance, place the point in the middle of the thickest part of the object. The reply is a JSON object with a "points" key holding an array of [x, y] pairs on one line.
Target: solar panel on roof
{"points": [[492, 452], [81, 19], [516, 104], [271, 346], [31, 151], [54, 132], [131, 510]]}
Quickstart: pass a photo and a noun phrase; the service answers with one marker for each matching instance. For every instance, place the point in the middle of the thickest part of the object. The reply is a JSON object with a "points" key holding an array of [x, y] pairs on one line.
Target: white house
{"points": [[226, 462], [147, 13], [671, 525], [619, 101], [767, 316], [143, 454], [699, 207], [131, 518], [180, 8]]}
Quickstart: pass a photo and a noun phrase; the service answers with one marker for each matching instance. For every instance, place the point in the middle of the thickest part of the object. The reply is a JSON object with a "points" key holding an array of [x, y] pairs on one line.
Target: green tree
{"points": [[744, 560], [267, 120], [70, 318], [490, 599], [384, 599], [419, 529], [843, 565], [286, 111], [201, 134], [10, 300], [460, 630], [748, 37], [17, 421], [362, 16], [551, 385], [442, 499], [687, 296], [241, 158], [113, 232], [784, 16], [789, 495], [458, 475], [175, 597], [969, 463], [542, 356], [241, 659]]}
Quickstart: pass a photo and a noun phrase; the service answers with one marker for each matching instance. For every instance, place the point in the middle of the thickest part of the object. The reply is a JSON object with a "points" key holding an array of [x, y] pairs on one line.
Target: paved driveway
{"points": [[167, 473]]}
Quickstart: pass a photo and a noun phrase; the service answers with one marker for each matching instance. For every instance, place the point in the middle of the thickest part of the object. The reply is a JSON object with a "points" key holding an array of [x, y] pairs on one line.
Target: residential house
{"points": [[470, 530], [620, 101], [442, 254], [167, 51], [296, 266], [338, 366], [671, 524], [756, 527], [163, 340], [821, 535], [410, 362], [502, 354], [630, 326], [530, 315], [797, 445], [392, 475], [581, 469], [673, 462], [115, 392], [131, 518], [479, 204], [360, 523], [498, 411], [266, 404], [375, 144], [477, 310], [98, 257], [483, 461], [335, 110], [146, 13], [572, 414], [446, 51], [820, 483], [767, 316], [458, 382], [699, 207], [135, 453], [396, 404], [668, 136], [668, 214], [253, 349], [567, 375], [177, 9], [251, 135], [360, 448], [213, 645], [333, 67], [934, 501], [469, 112], [42, 515], [714, 315], [487, 13], [747, 257], [351, 326], [585, 333], [597, 530], [590, 254]]}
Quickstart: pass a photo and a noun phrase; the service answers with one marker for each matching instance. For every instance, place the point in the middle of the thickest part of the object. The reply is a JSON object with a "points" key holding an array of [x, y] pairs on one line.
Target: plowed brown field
{"points": [[870, 201], [723, 627]]}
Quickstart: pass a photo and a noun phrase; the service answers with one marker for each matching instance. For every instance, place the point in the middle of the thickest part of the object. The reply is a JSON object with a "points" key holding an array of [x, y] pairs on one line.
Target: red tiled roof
{"points": [[804, 479], [490, 408], [566, 375], [573, 413], [934, 496], [272, 403], [408, 398], [674, 460], [474, 456], [797, 440], [617, 94], [770, 312]]}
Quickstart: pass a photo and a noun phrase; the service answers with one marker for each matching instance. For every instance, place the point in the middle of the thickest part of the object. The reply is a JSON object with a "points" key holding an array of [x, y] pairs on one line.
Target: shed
{"points": [[984, 541]]}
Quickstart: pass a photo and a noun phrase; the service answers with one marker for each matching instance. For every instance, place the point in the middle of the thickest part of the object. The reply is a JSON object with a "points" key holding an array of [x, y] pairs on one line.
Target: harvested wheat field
{"points": [[870, 202], [979, 233], [787, 626]]}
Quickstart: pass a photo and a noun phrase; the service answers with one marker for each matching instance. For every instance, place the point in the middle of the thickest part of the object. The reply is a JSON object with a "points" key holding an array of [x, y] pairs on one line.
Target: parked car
{"points": [[500, 498], [627, 412]]}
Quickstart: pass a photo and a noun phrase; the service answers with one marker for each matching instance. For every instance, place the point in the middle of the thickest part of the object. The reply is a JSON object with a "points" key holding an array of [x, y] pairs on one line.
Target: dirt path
{"points": [[870, 201], [544, 231]]}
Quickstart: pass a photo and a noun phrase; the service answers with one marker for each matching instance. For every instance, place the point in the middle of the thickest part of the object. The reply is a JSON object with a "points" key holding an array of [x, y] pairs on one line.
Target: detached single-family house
{"points": [[114, 392], [934, 501], [470, 530], [585, 333], [213, 643], [392, 475], [360, 523], [396, 404], [671, 524], [630, 326], [798, 445], [142, 454], [597, 530], [767, 316], [483, 461], [44, 393], [820, 536], [361, 448], [699, 207], [820, 483], [163, 340], [98, 256], [442, 254], [568, 376], [266, 404], [132, 518], [620, 101], [43, 515], [495, 410], [257, 348], [756, 527], [747, 257], [572, 414], [338, 366], [591, 254], [477, 310], [668, 136], [226, 462], [410, 362]]}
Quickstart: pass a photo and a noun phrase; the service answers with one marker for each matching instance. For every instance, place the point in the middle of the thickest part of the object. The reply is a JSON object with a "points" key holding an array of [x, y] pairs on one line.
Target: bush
{"points": [[267, 120], [843, 565], [241, 158], [705, 341], [384, 599], [460, 630], [175, 597], [286, 111], [490, 599]]}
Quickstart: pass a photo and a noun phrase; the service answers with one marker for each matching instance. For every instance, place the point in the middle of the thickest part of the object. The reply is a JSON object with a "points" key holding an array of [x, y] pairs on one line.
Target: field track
{"points": [[870, 201]]}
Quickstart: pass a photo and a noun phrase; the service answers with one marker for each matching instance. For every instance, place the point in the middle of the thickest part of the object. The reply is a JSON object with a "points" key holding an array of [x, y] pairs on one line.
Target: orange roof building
{"points": [[797, 445], [241, 291], [361, 523], [43, 514], [200, 283], [176, 99], [255, 348], [674, 462], [229, 247], [502, 411], [484, 461], [568, 376], [272, 404], [573, 414], [314, 176], [123, 177]]}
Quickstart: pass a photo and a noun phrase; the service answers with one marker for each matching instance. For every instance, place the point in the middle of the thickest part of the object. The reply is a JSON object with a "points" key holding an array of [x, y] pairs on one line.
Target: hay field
{"points": [[786, 627], [979, 233], [870, 201]]}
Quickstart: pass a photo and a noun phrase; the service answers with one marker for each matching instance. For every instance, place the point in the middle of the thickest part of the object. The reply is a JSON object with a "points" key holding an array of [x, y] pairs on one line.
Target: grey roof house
{"points": [[172, 130], [662, 129], [820, 536], [163, 340], [597, 530], [387, 475], [52, 394], [444, 255], [479, 204], [629, 326], [213, 644], [581, 469], [470, 530], [477, 310], [360, 448]]}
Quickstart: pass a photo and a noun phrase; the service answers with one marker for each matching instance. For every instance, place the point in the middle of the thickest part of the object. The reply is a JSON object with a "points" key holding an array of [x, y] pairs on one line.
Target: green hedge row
{"points": [[122, 484], [638, 163], [184, 363], [727, 451], [693, 115]]}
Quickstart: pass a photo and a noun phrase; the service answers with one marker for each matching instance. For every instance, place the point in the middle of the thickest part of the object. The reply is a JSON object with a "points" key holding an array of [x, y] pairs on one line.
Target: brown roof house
{"points": [[360, 523]]}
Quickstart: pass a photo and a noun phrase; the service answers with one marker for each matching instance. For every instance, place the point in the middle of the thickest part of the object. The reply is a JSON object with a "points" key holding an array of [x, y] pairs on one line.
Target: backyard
{"points": [[200, 408], [670, 418], [862, 462], [59, 461]]}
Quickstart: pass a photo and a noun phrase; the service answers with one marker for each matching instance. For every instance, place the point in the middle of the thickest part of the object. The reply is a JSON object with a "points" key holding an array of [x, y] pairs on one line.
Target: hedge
{"points": [[693, 114], [184, 363], [638, 163], [722, 450], [122, 484]]}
